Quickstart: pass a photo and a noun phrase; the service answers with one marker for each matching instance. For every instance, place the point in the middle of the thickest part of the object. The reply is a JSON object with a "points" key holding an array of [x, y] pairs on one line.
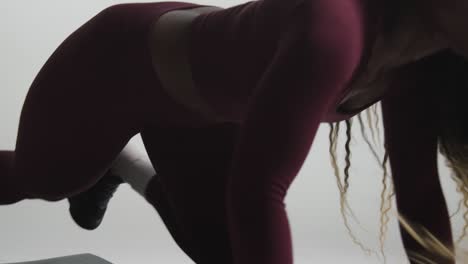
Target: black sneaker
{"points": [[88, 208]]}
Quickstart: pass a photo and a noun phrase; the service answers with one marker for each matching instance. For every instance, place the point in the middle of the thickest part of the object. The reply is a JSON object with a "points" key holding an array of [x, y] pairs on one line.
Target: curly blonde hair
{"points": [[452, 144]]}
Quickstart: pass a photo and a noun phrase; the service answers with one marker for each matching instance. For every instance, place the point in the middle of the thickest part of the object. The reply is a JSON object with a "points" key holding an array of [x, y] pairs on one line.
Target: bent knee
{"points": [[53, 189], [47, 195]]}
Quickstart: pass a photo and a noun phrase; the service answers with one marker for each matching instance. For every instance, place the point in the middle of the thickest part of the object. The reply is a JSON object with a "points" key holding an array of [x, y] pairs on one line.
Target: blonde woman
{"points": [[265, 74]]}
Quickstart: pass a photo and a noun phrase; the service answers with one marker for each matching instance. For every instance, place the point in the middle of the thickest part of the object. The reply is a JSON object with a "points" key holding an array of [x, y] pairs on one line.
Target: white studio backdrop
{"points": [[132, 232]]}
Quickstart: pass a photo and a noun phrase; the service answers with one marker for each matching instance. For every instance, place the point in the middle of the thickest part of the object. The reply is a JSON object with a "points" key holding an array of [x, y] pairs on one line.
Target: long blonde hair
{"points": [[452, 144]]}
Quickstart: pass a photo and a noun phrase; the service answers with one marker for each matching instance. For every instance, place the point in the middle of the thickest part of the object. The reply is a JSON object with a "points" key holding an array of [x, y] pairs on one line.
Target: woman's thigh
{"points": [[192, 164], [84, 105]]}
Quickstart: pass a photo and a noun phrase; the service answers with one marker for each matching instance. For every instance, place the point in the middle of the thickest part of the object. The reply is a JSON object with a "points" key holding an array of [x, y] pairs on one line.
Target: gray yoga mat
{"points": [[72, 259]]}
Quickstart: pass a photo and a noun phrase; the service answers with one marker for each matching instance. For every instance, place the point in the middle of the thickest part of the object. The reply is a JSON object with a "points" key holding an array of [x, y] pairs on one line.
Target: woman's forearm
{"points": [[410, 116]]}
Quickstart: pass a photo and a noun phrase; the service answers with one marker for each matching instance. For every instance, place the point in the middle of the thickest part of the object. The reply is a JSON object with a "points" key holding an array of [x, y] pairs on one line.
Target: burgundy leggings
{"points": [[96, 91], [189, 193]]}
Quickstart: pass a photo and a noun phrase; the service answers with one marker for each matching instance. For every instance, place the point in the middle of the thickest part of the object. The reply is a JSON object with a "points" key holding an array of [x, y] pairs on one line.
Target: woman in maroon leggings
{"points": [[269, 73]]}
